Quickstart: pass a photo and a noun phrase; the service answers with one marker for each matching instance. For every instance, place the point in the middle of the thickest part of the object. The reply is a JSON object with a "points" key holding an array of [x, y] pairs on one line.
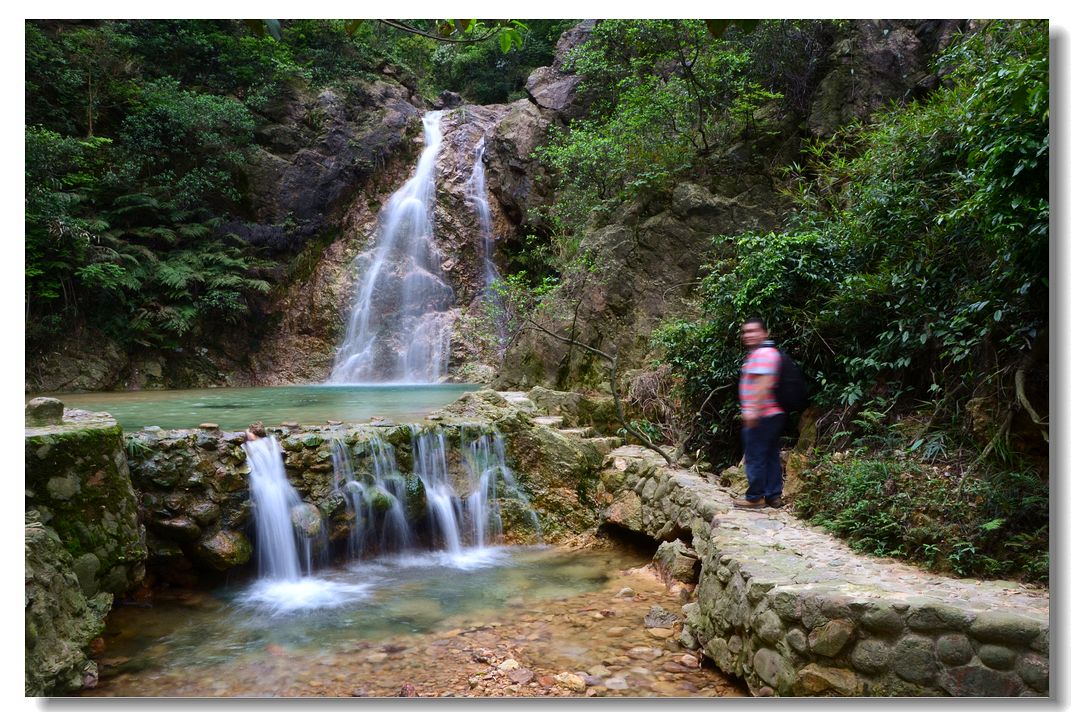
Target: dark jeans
{"points": [[762, 457]]}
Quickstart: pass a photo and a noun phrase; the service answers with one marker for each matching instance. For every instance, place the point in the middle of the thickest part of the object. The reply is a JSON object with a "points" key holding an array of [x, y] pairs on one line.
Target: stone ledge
{"points": [[794, 611]]}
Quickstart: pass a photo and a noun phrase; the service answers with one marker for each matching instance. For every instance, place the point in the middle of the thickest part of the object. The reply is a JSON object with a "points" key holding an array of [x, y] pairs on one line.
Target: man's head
{"points": [[753, 332]]}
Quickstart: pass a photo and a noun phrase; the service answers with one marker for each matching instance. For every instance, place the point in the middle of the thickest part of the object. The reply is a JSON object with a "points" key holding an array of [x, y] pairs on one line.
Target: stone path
{"points": [[829, 620]]}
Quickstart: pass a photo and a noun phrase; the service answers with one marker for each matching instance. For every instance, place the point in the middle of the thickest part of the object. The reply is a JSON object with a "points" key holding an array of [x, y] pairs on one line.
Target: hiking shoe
{"points": [[775, 502], [749, 504]]}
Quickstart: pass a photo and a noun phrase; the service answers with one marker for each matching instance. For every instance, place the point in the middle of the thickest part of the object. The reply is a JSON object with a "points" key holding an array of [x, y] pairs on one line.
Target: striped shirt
{"points": [[764, 360]]}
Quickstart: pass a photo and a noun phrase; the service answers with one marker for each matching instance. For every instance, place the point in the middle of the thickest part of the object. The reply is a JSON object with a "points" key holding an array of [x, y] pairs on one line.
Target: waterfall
{"points": [[476, 192], [444, 510], [399, 326], [376, 505], [275, 503], [485, 460]]}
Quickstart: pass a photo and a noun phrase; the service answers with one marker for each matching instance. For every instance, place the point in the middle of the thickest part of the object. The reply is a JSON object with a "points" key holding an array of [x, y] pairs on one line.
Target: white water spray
{"points": [[273, 500], [399, 326]]}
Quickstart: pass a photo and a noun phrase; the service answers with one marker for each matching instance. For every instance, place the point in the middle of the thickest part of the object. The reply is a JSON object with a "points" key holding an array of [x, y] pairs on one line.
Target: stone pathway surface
{"points": [[794, 610], [776, 540]]}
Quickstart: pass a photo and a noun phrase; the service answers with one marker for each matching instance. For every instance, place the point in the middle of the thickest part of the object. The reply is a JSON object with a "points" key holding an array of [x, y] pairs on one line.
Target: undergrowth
{"points": [[971, 522]]}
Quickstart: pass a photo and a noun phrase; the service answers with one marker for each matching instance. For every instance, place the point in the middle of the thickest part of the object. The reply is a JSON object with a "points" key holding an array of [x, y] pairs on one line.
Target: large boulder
{"points": [[555, 87], [60, 620], [44, 411]]}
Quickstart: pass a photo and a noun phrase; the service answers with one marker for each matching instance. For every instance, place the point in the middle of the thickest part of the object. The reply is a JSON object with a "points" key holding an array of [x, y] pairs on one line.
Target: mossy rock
{"points": [[379, 499], [78, 473], [60, 621], [224, 550], [416, 500]]}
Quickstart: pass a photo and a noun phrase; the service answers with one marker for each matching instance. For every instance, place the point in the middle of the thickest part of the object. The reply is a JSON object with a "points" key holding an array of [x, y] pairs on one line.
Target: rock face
{"points": [[626, 297], [317, 150], [877, 62], [77, 479], [794, 612], [60, 620]]}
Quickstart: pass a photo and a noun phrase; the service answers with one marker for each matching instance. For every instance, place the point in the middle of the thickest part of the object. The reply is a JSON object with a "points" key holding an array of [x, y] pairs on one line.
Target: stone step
{"points": [[520, 400], [550, 421], [794, 611], [585, 432]]}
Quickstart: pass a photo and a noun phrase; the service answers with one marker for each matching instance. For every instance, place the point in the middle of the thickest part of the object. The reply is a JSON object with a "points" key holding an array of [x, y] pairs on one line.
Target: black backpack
{"points": [[791, 390]]}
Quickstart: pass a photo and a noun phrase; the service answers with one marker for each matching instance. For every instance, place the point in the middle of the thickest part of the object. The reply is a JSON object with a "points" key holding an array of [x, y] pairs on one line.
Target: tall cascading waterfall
{"points": [[399, 326], [476, 192], [275, 502]]}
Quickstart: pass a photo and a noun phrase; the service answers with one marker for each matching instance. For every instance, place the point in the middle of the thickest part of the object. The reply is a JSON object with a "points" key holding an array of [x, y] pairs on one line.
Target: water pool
{"points": [[236, 408], [493, 621]]}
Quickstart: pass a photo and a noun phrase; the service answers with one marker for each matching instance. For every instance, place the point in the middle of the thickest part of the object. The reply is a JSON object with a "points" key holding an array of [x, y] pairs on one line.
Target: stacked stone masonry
{"points": [[793, 611]]}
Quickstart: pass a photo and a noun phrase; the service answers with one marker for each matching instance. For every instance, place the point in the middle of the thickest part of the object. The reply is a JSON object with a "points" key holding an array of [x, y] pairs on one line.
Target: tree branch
{"points": [[398, 25]]}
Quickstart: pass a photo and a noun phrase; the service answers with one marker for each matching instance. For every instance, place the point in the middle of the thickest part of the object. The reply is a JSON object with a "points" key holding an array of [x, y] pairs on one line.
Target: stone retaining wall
{"points": [[793, 611], [194, 489], [78, 481]]}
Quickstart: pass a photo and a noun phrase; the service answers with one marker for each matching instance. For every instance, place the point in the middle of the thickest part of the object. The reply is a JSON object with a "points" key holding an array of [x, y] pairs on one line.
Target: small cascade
{"points": [[399, 326], [278, 509], [375, 502], [476, 193], [444, 510], [485, 461], [452, 504]]}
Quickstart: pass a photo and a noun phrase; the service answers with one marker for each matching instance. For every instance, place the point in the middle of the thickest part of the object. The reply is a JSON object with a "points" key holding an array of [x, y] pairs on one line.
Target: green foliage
{"points": [[484, 73], [185, 144], [663, 95], [992, 524], [917, 259]]}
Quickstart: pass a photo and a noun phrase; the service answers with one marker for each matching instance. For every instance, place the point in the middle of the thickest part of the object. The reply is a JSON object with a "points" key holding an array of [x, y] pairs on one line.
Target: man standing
{"points": [[763, 418]]}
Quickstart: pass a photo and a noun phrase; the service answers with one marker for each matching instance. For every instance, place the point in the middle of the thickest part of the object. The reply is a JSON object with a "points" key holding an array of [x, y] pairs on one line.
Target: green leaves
{"points": [[917, 255]]}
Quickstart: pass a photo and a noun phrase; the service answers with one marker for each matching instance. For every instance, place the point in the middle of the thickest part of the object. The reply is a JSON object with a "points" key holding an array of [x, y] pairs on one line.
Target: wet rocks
{"points": [[44, 411], [224, 550]]}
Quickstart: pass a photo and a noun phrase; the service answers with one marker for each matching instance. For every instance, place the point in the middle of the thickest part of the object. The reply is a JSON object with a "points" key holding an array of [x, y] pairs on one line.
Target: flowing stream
{"points": [[399, 326]]}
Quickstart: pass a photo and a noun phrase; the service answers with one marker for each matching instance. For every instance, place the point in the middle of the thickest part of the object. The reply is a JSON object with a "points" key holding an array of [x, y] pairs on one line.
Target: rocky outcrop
{"points": [[877, 62], [315, 151], [795, 612], [60, 620], [555, 87], [77, 479], [646, 270]]}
